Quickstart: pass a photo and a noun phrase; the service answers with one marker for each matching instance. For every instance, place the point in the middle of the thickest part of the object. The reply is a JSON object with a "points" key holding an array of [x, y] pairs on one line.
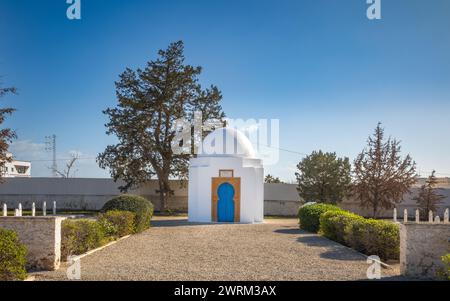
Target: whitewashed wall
{"points": [[203, 169]]}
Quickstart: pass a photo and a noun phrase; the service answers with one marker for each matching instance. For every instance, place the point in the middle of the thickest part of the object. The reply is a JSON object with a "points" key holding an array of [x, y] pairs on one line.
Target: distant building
{"points": [[16, 169]]}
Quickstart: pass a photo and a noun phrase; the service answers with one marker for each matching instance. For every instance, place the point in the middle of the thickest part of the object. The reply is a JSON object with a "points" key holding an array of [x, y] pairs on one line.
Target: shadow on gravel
{"points": [[334, 250]]}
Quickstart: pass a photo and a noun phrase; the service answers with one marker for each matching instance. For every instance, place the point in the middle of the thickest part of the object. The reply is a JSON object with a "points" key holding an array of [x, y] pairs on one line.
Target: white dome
{"points": [[227, 142]]}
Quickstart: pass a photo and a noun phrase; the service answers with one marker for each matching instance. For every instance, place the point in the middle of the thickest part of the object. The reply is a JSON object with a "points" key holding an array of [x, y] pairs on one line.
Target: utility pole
{"points": [[50, 146]]}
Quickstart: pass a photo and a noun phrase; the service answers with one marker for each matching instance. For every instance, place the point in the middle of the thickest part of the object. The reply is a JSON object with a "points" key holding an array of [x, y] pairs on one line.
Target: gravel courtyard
{"points": [[176, 250]]}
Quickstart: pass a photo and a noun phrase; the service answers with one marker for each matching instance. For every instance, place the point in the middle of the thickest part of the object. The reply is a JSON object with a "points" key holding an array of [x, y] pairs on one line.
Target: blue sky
{"points": [[319, 66]]}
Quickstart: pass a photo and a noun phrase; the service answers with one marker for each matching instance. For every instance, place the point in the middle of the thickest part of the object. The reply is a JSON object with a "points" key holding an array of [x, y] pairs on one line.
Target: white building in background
{"points": [[226, 180], [16, 169]]}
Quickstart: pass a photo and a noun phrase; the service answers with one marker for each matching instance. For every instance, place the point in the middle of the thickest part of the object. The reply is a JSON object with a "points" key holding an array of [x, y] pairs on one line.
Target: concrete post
{"points": [[44, 209], [5, 210], [54, 208], [33, 210], [417, 216], [405, 216], [395, 215]]}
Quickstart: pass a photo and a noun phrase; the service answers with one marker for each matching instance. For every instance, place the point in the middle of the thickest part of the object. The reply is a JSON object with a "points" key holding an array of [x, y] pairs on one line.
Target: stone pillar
{"points": [[417, 216], [42, 238], [421, 248], [395, 215], [405, 216], [446, 216], [44, 209], [33, 209], [5, 210], [54, 208]]}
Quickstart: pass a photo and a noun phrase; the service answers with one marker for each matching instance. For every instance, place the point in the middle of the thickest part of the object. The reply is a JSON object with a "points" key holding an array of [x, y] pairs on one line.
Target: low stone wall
{"points": [[41, 236], [421, 247]]}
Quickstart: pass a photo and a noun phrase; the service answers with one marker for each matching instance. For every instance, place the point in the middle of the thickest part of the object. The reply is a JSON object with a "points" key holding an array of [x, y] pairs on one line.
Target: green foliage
{"points": [[334, 223], [309, 216], [81, 235], [369, 236], [122, 222], [382, 238], [149, 101], [141, 207], [324, 178], [108, 228], [7, 135], [272, 180], [428, 197], [12, 257], [381, 177], [444, 273]]}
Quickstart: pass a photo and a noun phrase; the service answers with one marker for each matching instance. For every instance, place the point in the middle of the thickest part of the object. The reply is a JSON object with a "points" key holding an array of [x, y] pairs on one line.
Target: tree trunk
{"points": [[163, 195], [375, 210]]}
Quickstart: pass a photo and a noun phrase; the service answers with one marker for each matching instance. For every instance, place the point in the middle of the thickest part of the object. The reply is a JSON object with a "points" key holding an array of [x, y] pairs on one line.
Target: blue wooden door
{"points": [[225, 206]]}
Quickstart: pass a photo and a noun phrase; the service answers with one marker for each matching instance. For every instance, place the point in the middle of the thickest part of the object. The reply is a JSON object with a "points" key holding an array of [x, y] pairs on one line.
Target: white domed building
{"points": [[226, 180]]}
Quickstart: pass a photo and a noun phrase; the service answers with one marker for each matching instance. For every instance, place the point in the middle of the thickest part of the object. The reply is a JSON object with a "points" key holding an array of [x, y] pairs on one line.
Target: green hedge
{"points": [[12, 257], [121, 221], [444, 273], [141, 207], [309, 216], [369, 236], [334, 223], [81, 235]]}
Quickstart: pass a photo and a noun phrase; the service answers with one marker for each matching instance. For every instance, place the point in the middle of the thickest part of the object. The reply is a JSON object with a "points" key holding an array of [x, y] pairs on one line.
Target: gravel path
{"points": [[176, 250]]}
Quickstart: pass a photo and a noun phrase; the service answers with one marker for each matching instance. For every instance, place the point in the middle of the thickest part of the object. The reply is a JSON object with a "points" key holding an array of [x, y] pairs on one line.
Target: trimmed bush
{"points": [[121, 221], [141, 207], [12, 257], [444, 273], [369, 236], [355, 232], [382, 238], [334, 223], [80, 236], [309, 216]]}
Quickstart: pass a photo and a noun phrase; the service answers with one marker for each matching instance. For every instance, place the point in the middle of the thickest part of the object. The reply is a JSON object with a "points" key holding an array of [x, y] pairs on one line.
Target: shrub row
{"points": [[121, 216], [12, 257], [444, 273], [141, 207], [309, 216], [368, 236]]}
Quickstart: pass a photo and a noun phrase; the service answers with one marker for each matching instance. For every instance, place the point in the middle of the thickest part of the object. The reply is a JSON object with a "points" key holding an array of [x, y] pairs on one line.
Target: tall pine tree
{"points": [[150, 100], [428, 198], [381, 175]]}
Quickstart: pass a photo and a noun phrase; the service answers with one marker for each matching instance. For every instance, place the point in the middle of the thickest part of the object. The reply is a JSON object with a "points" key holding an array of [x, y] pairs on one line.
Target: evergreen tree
{"points": [[428, 197], [324, 178], [150, 100], [271, 179], [7, 135], [381, 175]]}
